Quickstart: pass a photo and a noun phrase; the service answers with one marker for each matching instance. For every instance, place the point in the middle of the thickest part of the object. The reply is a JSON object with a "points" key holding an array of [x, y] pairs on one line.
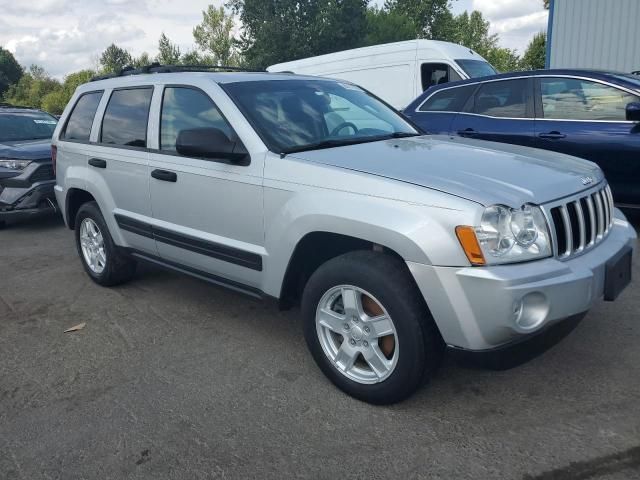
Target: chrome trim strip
{"points": [[599, 214], [592, 219]]}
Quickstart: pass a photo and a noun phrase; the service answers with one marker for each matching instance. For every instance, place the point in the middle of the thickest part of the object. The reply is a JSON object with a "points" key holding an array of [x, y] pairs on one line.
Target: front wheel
{"points": [[368, 327]]}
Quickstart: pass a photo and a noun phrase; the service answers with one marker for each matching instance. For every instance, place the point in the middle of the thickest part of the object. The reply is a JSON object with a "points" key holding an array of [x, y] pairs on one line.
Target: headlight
{"points": [[14, 164], [507, 235]]}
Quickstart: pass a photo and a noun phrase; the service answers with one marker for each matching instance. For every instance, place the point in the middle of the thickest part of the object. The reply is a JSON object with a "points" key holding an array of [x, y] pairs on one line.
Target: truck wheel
{"points": [[368, 327], [105, 263]]}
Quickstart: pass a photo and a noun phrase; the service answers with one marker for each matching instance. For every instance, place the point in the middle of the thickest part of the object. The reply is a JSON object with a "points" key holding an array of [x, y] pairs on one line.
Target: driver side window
{"points": [[185, 108]]}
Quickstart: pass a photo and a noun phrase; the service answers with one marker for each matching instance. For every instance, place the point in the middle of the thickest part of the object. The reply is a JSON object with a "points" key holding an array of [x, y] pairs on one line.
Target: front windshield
{"points": [[26, 126], [476, 68], [301, 114]]}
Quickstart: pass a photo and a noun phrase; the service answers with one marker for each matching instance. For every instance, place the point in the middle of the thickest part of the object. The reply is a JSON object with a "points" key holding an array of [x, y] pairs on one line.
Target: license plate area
{"points": [[617, 274]]}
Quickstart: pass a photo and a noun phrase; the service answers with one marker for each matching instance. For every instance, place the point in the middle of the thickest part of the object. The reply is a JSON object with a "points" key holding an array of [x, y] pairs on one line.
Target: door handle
{"points": [[165, 175], [98, 163], [467, 132], [552, 135]]}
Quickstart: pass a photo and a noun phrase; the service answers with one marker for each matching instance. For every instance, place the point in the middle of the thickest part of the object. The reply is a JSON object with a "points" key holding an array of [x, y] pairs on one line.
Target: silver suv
{"points": [[313, 191]]}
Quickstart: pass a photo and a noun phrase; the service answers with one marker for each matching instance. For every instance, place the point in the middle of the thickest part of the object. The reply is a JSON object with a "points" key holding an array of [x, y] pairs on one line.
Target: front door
{"points": [[587, 119], [208, 213]]}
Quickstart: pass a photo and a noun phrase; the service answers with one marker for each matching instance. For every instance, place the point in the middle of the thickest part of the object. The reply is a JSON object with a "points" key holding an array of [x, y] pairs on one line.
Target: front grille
{"points": [[581, 223], [42, 174]]}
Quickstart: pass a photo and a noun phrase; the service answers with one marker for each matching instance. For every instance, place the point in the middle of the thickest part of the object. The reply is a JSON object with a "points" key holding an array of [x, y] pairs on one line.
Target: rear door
{"points": [[208, 213], [118, 165], [587, 119], [499, 111], [435, 114]]}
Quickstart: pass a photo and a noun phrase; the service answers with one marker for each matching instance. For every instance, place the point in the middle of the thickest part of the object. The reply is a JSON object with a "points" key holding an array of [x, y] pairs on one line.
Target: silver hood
{"points": [[485, 172]]}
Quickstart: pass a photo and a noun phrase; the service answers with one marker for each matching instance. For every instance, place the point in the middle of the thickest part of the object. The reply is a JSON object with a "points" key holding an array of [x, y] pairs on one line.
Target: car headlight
{"points": [[506, 235], [14, 164]]}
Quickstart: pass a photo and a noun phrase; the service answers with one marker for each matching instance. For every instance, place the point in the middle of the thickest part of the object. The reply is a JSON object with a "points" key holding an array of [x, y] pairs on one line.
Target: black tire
{"points": [[388, 279], [119, 267]]}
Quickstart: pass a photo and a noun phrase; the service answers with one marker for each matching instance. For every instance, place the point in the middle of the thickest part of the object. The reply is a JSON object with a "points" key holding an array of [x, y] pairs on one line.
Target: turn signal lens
{"points": [[467, 237]]}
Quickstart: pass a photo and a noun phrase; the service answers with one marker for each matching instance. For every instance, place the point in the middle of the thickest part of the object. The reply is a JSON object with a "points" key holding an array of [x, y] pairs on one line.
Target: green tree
{"points": [[536, 53], [281, 30], [215, 38], [55, 101], [546, 4], [10, 70], [432, 18], [384, 26], [169, 52], [32, 87], [114, 58], [143, 60], [194, 57]]}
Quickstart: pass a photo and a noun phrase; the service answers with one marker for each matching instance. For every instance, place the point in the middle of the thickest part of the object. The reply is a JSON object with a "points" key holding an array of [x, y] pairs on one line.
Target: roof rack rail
{"points": [[158, 68]]}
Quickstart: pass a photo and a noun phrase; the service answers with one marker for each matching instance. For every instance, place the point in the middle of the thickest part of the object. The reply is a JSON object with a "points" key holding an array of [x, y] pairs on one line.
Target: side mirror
{"points": [[633, 111], [211, 143]]}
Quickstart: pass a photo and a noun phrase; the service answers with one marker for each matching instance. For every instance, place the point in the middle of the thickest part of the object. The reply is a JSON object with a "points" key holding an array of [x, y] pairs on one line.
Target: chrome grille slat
{"points": [[580, 223], [592, 219], [567, 229], [599, 214]]}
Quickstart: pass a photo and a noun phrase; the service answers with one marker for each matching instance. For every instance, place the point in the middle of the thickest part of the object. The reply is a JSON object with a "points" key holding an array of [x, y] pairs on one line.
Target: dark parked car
{"points": [[589, 114], [26, 170]]}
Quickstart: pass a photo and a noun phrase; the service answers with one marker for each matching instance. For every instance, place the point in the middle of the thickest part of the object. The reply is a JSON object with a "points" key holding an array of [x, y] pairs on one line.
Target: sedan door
{"points": [[435, 113], [587, 119], [208, 212], [500, 111]]}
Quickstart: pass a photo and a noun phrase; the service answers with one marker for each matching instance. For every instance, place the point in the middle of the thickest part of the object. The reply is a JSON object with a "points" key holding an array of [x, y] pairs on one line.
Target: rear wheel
{"points": [[103, 261], [368, 327]]}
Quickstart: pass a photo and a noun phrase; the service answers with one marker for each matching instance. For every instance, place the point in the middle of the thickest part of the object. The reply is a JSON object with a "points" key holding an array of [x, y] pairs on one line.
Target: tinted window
{"points": [[125, 119], [573, 99], [81, 118], [449, 100], [476, 68], [507, 98], [184, 109], [437, 74], [26, 126]]}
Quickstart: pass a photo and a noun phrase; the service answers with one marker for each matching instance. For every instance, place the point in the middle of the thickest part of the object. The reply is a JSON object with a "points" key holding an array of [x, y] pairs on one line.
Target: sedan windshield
{"points": [[476, 68], [26, 126], [302, 114]]}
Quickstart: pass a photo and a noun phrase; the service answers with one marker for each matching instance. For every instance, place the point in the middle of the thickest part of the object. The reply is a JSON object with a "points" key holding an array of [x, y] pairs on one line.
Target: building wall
{"points": [[599, 34]]}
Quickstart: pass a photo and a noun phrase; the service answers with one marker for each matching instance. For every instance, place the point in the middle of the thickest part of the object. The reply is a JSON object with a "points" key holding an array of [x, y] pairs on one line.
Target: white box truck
{"points": [[396, 72]]}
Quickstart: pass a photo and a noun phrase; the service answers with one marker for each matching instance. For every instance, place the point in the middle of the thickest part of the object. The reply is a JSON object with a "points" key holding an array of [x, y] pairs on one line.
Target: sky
{"points": [[68, 35]]}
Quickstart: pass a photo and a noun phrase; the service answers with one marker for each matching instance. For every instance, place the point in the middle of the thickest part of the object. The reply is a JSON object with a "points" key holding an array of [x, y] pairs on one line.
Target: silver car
{"points": [[314, 192]]}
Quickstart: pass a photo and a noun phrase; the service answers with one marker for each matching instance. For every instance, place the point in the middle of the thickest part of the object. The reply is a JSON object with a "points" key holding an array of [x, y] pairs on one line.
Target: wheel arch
{"points": [[76, 197]]}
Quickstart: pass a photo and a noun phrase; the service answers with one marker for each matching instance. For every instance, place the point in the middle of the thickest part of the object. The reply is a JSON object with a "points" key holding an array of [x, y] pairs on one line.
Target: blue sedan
{"points": [[590, 114]]}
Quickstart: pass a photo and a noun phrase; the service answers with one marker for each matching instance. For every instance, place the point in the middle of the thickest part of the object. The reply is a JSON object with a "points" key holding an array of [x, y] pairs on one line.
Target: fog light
{"points": [[531, 311]]}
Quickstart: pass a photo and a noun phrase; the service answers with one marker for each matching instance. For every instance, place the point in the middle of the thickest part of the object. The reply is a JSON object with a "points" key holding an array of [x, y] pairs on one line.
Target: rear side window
{"points": [[79, 124], [448, 100], [125, 119], [507, 98], [185, 109]]}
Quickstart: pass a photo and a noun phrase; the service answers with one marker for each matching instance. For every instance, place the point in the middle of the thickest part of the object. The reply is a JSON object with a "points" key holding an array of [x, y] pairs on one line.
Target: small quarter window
{"points": [[125, 119], [448, 100], [78, 126], [185, 109]]}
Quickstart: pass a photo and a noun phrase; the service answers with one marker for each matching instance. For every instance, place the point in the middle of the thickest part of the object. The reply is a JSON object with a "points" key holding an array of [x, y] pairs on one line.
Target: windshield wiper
{"points": [[342, 142]]}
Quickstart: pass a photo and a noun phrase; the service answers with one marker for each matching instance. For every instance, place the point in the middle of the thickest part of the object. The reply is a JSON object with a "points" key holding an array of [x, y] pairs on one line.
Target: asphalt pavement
{"points": [[174, 378]]}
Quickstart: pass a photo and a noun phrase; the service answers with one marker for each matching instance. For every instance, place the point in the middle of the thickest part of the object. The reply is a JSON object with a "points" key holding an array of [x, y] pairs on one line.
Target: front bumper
{"points": [[476, 308], [27, 202]]}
